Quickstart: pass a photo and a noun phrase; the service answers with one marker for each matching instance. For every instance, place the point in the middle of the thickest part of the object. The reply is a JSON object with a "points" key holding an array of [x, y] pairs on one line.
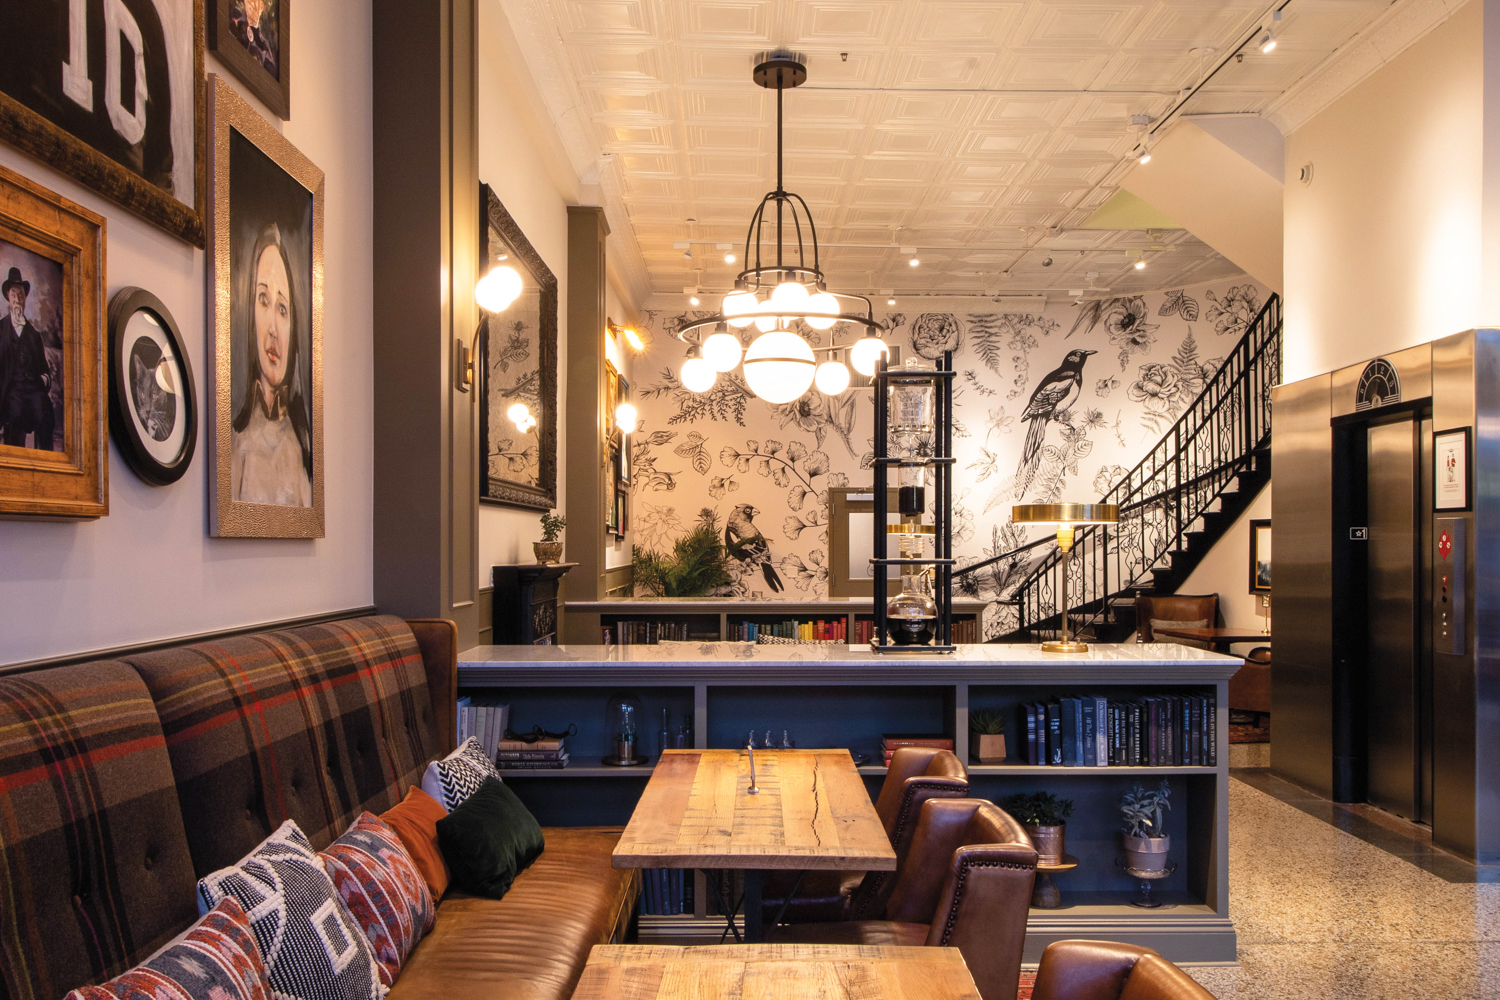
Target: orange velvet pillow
{"points": [[415, 822]]}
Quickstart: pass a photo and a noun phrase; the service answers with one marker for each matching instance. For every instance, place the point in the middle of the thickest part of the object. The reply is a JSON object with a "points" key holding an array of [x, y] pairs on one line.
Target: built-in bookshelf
{"points": [[842, 697], [647, 621]]}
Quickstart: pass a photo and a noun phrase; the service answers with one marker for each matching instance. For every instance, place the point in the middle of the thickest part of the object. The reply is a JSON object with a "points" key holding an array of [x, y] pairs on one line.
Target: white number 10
{"points": [[75, 72]]}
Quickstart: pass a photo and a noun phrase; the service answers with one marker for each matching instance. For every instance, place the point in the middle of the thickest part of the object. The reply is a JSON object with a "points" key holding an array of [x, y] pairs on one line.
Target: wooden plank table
{"points": [[1220, 638], [811, 811], [774, 972]]}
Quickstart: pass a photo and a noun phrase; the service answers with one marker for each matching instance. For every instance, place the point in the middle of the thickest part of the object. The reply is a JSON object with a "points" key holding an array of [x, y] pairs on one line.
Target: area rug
{"points": [[1028, 980]]}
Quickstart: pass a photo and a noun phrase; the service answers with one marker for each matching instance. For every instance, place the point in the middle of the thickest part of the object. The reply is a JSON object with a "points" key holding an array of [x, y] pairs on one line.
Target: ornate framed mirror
{"points": [[517, 367]]}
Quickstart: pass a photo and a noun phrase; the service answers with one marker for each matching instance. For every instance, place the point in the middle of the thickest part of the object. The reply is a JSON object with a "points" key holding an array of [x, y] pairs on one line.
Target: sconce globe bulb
{"points": [[498, 289]]}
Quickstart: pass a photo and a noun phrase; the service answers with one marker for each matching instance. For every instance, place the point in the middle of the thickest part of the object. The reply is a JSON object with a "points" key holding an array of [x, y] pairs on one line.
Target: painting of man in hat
{"points": [[28, 381]]}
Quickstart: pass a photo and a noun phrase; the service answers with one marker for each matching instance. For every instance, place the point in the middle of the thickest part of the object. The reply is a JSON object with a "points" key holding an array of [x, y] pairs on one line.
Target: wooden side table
{"points": [[1045, 895], [524, 611]]}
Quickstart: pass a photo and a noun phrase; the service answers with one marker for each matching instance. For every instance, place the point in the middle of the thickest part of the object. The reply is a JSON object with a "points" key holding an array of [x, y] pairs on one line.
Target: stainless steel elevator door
{"points": [[1394, 641]]}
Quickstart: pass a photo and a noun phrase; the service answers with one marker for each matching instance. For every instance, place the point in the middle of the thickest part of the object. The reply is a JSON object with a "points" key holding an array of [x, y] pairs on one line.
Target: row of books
{"points": [[1093, 731], [891, 742], [487, 723], [813, 631], [648, 633], [965, 631], [666, 892]]}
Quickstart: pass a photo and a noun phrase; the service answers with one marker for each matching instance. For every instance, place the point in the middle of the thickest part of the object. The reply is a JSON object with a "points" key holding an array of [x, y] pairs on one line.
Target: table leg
{"points": [[754, 931], [712, 878]]}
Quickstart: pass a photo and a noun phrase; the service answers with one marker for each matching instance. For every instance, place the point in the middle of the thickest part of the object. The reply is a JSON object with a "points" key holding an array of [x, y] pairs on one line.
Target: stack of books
{"points": [[543, 755], [891, 742], [1093, 731], [486, 723], [666, 892], [965, 631]]}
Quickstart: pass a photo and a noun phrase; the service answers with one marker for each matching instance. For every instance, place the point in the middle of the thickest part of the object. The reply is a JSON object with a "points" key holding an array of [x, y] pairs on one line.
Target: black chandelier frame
{"points": [[778, 71]]}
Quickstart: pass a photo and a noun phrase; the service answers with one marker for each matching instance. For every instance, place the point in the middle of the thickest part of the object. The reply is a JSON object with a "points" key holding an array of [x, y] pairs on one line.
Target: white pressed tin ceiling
{"points": [[980, 132]]}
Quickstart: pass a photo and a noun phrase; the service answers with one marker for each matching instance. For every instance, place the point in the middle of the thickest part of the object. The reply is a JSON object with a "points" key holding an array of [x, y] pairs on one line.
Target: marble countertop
{"points": [[752, 664]]}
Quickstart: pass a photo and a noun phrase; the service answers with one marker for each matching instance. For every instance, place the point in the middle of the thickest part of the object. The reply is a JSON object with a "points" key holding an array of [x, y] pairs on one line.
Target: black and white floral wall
{"points": [[1054, 405]]}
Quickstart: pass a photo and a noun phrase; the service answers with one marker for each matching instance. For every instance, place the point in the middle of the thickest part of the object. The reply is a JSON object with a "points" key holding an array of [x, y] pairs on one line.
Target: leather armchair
{"points": [[1106, 970], [1250, 687], [966, 884], [915, 775], [1175, 608]]}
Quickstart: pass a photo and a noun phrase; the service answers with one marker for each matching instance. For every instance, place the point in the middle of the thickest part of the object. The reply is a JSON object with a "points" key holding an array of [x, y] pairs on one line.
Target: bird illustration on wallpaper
{"points": [[1056, 393], [748, 547]]}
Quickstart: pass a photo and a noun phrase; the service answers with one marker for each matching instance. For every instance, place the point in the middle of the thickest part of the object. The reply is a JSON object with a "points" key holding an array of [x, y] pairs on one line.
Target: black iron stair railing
{"points": [[1220, 440]]}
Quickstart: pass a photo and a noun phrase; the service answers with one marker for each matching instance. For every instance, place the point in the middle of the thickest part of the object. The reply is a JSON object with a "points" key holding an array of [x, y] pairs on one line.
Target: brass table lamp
{"points": [[1067, 517]]}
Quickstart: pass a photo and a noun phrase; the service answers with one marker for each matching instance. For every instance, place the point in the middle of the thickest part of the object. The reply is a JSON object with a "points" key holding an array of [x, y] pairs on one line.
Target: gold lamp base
{"points": [[1065, 646]]}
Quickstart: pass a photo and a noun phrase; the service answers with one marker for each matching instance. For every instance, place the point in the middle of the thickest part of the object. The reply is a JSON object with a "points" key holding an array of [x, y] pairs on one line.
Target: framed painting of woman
{"points": [[265, 228]]}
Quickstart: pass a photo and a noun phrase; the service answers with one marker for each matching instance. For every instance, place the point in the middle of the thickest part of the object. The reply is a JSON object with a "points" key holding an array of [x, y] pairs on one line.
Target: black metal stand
{"points": [[941, 462]]}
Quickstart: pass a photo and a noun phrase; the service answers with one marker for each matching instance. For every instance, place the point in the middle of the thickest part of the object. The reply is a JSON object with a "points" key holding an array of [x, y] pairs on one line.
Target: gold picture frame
{"points": [[266, 195], [57, 250], [74, 129]]}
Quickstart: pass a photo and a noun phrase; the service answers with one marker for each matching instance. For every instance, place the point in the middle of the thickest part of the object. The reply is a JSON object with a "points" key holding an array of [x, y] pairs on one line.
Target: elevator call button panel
{"points": [[1449, 570]]}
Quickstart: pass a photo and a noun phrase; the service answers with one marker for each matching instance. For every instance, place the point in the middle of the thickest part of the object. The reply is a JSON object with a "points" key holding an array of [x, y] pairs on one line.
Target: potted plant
{"points": [[987, 729], [1045, 817], [549, 549], [1146, 840]]}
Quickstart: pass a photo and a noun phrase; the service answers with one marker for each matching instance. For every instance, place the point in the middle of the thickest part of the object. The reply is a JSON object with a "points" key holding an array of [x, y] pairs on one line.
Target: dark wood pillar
{"points": [[426, 177]]}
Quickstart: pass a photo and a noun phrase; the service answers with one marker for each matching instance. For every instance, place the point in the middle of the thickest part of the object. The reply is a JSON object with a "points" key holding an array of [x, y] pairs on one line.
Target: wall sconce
{"points": [[521, 417], [493, 293], [629, 335]]}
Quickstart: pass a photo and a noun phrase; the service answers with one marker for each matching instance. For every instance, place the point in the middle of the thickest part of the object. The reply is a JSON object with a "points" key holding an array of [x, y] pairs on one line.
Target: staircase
{"points": [[1174, 506]]}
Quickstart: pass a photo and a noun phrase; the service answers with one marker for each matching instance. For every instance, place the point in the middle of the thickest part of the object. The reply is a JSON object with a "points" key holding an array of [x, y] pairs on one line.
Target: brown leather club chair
{"points": [[966, 885], [1105, 970], [1174, 608], [915, 775], [1250, 687]]}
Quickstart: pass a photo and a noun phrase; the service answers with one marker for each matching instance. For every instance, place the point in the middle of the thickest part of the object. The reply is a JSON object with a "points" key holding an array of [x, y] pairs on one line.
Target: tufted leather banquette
{"points": [[123, 781]]}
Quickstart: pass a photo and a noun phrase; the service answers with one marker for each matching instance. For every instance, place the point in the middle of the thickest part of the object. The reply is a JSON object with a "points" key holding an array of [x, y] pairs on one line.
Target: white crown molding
{"points": [[535, 30], [1402, 25]]}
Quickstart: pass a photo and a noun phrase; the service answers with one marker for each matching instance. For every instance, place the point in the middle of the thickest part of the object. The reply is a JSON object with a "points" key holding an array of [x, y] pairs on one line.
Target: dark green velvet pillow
{"points": [[489, 839]]}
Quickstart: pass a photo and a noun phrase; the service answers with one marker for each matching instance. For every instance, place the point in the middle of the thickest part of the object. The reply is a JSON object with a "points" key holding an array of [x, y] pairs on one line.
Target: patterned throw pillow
{"points": [[215, 959], [312, 947], [459, 775], [382, 889]]}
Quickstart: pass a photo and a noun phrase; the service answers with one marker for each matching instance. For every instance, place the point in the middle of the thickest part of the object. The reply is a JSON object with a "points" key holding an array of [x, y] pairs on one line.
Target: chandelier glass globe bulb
{"points": [[790, 296], [866, 354], [832, 378], [765, 323], [498, 289], [722, 351], [698, 375], [740, 307], [822, 309], [779, 366]]}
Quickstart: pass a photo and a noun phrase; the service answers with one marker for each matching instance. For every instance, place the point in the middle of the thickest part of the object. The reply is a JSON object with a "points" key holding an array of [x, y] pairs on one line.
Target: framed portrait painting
{"points": [[112, 95], [266, 284], [1260, 555], [517, 371], [53, 451], [253, 39]]}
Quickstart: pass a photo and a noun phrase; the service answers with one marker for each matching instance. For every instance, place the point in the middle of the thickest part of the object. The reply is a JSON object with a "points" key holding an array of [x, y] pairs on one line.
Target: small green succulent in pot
{"points": [[1146, 839], [549, 549], [987, 729]]}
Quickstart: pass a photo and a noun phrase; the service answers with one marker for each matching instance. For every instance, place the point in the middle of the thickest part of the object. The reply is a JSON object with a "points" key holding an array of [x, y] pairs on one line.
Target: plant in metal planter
{"points": [[549, 549], [987, 732], [1146, 840], [1045, 817]]}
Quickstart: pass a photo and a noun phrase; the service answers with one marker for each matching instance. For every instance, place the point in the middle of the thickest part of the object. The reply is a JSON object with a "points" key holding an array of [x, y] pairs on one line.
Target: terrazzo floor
{"points": [[1321, 913]]}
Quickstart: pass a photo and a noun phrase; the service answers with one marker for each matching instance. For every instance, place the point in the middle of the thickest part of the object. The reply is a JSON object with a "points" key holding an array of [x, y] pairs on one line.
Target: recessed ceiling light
{"points": [[914, 262], [1140, 265]]}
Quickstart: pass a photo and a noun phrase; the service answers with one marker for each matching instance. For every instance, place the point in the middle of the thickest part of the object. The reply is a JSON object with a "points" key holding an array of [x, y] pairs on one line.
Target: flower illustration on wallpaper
{"points": [[724, 402], [1125, 322], [972, 377], [1157, 390], [644, 473], [517, 347], [694, 451], [718, 486], [1004, 342], [934, 333], [998, 421], [655, 523], [1104, 386], [1107, 477], [812, 574], [817, 414], [1233, 314], [985, 466], [516, 460]]}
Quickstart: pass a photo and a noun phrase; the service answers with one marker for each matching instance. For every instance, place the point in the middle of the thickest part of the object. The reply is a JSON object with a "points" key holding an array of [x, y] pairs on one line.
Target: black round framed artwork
{"points": [[153, 405]]}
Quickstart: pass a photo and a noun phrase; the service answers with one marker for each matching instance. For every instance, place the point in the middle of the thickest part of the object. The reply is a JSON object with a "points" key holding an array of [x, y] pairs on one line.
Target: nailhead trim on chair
{"points": [[902, 818], [958, 891]]}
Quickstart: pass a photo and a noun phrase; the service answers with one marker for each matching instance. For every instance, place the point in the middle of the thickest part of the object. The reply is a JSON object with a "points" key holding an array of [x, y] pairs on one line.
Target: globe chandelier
{"points": [[779, 366]]}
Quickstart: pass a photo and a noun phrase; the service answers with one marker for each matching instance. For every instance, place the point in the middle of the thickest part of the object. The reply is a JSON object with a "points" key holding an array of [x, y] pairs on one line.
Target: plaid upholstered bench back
{"points": [[122, 782]]}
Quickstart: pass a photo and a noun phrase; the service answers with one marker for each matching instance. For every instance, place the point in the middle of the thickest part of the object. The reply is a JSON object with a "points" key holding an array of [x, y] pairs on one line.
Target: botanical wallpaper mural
{"points": [[1056, 405]]}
